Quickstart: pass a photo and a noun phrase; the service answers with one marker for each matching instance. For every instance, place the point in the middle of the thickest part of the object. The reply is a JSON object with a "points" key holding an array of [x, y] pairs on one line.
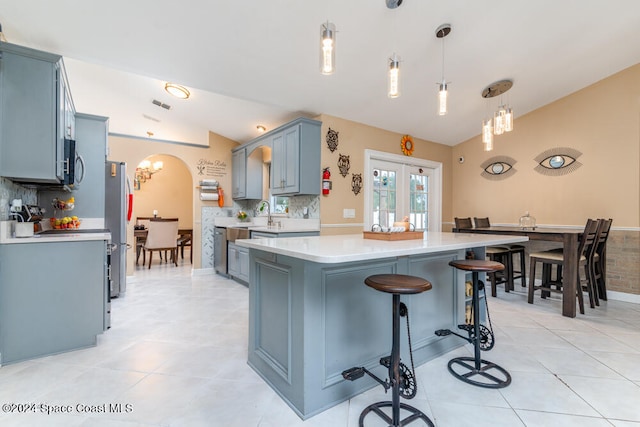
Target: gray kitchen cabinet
{"points": [[36, 114], [91, 145], [295, 162], [52, 297], [246, 174], [295, 159], [238, 262]]}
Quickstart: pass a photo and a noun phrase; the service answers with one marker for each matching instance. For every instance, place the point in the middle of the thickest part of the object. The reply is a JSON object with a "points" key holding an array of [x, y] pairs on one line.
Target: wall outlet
{"points": [[348, 213]]}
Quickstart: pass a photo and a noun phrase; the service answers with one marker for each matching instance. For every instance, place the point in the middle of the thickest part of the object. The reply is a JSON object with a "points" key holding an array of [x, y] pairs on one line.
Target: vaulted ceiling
{"points": [[257, 62]]}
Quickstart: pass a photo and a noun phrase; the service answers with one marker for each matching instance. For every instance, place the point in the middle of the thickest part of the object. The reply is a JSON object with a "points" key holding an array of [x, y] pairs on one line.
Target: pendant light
{"points": [[487, 134], [394, 77], [327, 48], [503, 117], [441, 32]]}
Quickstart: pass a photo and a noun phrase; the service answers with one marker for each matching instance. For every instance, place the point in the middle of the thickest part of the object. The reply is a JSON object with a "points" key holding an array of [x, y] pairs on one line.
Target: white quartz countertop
{"points": [[353, 247], [70, 236]]}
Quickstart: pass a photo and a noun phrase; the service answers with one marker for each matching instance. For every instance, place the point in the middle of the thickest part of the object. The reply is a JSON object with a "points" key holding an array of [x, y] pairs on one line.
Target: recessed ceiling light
{"points": [[177, 90], [261, 128]]}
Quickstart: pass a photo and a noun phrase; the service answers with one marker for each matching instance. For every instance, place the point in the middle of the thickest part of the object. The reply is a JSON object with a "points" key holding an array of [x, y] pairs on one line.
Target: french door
{"points": [[399, 187]]}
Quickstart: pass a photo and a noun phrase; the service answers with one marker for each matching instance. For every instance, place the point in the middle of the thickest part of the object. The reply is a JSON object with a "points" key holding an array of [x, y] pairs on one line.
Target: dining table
{"points": [[569, 238]]}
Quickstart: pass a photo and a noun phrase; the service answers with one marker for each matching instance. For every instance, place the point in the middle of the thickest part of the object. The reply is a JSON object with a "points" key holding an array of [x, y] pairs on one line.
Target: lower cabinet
{"points": [[238, 262], [52, 297]]}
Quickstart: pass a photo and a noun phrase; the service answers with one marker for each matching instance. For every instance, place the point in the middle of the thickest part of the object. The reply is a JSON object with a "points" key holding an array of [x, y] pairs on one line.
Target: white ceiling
{"points": [[257, 62]]}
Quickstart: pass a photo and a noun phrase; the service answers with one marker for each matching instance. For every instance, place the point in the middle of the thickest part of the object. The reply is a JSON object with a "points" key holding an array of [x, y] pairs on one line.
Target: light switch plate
{"points": [[348, 213]]}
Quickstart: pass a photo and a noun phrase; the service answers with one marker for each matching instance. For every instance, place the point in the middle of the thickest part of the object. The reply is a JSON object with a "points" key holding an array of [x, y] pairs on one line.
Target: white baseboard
{"points": [[623, 296], [202, 271]]}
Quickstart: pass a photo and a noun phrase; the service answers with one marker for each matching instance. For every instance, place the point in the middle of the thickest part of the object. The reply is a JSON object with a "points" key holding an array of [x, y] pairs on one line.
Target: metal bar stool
{"points": [[395, 284], [468, 367]]}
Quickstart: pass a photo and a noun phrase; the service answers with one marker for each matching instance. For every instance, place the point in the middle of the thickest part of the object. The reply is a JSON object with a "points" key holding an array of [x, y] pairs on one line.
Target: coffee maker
{"points": [[26, 214]]}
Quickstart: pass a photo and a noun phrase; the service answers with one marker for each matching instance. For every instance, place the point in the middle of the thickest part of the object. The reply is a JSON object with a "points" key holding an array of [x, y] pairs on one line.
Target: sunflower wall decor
{"points": [[406, 143]]}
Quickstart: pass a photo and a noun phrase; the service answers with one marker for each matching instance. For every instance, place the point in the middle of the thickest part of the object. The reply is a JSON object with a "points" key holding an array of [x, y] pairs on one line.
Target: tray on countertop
{"points": [[381, 235]]}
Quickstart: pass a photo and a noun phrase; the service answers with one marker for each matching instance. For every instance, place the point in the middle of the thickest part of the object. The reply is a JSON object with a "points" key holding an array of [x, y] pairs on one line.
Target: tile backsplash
{"points": [[9, 191]]}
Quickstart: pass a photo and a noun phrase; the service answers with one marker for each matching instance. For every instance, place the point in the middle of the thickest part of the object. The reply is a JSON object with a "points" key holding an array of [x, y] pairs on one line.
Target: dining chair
{"points": [[162, 236], [513, 251], [556, 257], [598, 267], [184, 239], [463, 222], [142, 221]]}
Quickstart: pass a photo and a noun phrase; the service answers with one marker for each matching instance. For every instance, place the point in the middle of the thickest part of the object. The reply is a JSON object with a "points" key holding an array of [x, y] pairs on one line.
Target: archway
{"points": [[165, 192]]}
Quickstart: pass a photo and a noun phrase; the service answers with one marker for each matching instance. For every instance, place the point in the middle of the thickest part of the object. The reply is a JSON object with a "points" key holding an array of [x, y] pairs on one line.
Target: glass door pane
{"points": [[419, 201], [384, 197]]}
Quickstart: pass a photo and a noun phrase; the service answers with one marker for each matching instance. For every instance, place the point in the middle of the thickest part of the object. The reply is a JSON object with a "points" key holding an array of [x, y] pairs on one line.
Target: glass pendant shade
{"points": [[394, 77], [499, 121], [327, 48], [487, 133], [508, 120], [442, 99]]}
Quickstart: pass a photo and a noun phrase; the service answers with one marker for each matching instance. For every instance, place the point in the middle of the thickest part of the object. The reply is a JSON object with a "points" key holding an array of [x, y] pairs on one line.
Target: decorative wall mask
{"points": [[356, 183], [498, 168], [332, 140], [558, 161], [406, 144], [343, 165]]}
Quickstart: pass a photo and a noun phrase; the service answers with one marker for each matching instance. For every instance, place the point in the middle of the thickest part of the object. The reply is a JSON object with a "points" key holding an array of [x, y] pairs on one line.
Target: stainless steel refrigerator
{"points": [[117, 198]]}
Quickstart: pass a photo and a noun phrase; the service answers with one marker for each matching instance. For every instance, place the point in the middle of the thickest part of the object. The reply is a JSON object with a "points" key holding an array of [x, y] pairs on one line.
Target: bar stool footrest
{"points": [[414, 414], [502, 380]]}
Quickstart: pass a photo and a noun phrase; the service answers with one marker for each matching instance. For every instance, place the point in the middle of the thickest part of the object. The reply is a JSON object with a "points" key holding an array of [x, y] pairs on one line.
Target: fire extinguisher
{"points": [[326, 181]]}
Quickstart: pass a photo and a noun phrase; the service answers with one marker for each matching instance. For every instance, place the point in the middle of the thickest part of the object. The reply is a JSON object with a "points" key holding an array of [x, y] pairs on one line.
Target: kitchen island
{"points": [[311, 316]]}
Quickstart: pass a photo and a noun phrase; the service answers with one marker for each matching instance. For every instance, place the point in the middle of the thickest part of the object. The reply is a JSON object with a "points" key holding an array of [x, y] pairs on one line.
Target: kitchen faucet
{"points": [[269, 220]]}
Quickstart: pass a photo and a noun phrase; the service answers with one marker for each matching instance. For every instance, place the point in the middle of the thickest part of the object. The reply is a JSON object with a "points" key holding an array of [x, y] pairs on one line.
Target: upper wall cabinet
{"points": [[295, 161], [246, 173], [295, 158], [36, 115]]}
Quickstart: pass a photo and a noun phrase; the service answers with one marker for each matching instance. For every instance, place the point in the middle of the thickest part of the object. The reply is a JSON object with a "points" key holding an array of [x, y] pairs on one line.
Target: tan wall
{"points": [[353, 139], [165, 192], [603, 122], [216, 157]]}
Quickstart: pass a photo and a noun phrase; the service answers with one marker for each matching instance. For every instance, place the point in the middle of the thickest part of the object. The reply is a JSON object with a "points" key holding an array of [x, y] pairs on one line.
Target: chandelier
{"points": [[145, 169], [502, 120]]}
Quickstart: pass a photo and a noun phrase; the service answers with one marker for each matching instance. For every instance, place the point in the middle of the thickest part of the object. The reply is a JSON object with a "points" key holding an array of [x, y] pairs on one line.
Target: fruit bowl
{"points": [[63, 205], [67, 222]]}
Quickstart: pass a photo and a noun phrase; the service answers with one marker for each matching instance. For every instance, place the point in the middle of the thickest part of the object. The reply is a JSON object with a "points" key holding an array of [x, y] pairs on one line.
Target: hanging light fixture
{"points": [[441, 32], [327, 48], [394, 76], [487, 134], [503, 117]]}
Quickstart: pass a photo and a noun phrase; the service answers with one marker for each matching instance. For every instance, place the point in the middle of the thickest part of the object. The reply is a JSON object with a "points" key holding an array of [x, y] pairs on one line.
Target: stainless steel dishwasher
{"points": [[220, 250]]}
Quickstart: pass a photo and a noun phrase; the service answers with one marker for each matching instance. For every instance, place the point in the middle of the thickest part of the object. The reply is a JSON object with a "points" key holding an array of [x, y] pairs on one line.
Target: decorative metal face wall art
{"points": [[332, 140], [558, 161], [344, 165], [498, 168], [356, 183]]}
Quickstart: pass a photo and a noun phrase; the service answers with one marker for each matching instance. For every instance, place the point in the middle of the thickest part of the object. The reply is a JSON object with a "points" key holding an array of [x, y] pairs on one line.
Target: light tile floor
{"points": [[176, 353]]}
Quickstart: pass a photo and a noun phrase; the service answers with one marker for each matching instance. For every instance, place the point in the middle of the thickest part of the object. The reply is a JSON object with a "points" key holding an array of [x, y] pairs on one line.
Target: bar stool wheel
{"points": [[468, 365], [416, 414]]}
